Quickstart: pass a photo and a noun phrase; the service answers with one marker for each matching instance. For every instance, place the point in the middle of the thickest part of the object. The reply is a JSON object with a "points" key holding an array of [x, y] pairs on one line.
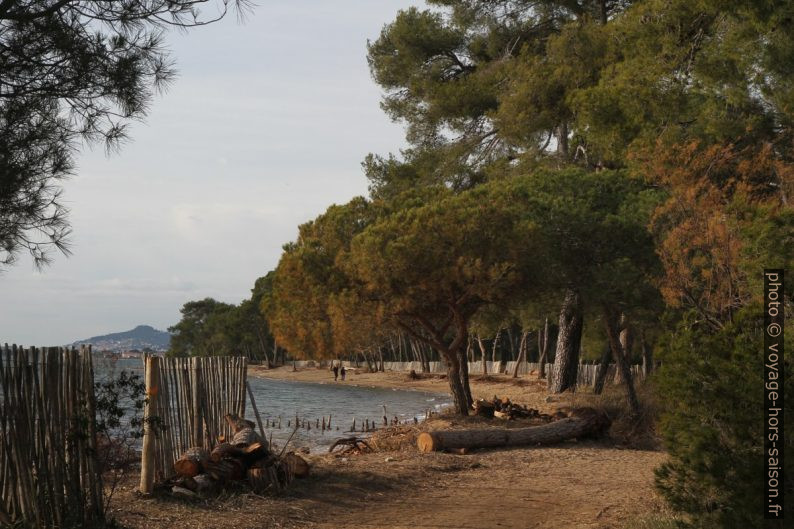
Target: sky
{"points": [[265, 127]]}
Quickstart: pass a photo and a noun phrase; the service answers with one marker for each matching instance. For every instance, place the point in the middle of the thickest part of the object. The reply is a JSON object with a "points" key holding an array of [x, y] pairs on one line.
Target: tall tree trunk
{"points": [[263, 346], [456, 385], [612, 320], [543, 350], [484, 358], [522, 352], [569, 340], [562, 140], [647, 358], [603, 369], [626, 344], [495, 346], [464, 377], [496, 343], [419, 351]]}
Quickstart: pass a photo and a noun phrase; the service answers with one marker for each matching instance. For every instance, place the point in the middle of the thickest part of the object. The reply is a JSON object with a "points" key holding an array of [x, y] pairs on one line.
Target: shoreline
{"points": [[526, 389]]}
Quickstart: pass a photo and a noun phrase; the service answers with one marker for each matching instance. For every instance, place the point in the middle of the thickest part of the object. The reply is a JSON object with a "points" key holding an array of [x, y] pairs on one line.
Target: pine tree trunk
{"points": [[562, 140], [464, 377], [495, 346], [569, 339], [455, 385], [522, 351], [484, 358], [626, 344], [647, 358], [263, 347], [612, 321], [543, 349], [603, 368]]}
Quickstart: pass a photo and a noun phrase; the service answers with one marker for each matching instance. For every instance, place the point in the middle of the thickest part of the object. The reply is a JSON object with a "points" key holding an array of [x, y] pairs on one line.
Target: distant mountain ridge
{"points": [[141, 337]]}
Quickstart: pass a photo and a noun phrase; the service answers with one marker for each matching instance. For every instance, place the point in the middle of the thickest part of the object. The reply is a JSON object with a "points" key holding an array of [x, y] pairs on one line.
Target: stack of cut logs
{"points": [[502, 408], [245, 457]]}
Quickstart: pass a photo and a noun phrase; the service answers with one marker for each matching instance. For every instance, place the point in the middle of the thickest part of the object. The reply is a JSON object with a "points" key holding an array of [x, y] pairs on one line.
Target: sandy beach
{"points": [[588, 484]]}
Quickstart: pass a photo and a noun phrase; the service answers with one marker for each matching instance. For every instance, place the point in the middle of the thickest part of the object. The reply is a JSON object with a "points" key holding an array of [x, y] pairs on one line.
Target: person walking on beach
{"points": [[335, 369], [342, 372]]}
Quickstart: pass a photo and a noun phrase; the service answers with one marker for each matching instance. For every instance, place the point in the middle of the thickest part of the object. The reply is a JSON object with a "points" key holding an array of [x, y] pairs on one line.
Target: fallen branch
{"points": [[353, 443]]}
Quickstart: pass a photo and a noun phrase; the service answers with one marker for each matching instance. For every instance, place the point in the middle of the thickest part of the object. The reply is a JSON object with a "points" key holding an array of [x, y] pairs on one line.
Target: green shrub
{"points": [[712, 425]]}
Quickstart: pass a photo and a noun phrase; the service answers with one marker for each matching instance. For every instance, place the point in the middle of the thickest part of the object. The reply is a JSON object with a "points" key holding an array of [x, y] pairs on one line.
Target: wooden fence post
{"points": [[148, 452], [198, 438]]}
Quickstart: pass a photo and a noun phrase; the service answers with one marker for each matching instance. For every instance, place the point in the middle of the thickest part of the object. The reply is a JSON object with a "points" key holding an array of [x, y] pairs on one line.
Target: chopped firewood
{"points": [[205, 485], [297, 465], [243, 456], [483, 408], [182, 492], [246, 437], [192, 462], [237, 423], [503, 408], [226, 470], [225, 450]]}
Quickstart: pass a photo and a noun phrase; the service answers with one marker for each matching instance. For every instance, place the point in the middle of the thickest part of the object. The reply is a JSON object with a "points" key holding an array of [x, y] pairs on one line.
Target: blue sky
{"points": [[265, 127]]}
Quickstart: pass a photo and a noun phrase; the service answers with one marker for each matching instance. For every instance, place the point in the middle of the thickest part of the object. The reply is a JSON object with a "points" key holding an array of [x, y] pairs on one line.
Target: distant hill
{"points": [[142, 336]]}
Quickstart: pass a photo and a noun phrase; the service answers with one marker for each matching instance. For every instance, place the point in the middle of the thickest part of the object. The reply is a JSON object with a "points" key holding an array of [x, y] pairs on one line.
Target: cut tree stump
{"points": [[192, 462], [583, 422]]}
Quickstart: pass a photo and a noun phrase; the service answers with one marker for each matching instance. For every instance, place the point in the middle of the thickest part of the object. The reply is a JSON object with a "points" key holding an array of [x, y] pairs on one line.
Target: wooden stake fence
{"points": [[49, 475], [187, 399]]}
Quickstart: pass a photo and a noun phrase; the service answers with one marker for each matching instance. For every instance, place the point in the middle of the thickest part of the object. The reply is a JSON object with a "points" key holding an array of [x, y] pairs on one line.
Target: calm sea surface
{"points": [[343, 402]]}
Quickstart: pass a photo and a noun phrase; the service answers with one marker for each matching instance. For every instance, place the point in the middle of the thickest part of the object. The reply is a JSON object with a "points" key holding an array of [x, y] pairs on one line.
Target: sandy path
{"points": [[576, 487]]}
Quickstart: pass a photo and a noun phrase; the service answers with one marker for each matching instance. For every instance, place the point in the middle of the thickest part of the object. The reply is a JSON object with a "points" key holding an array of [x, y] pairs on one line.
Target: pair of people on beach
{"points": [[338, 370]]}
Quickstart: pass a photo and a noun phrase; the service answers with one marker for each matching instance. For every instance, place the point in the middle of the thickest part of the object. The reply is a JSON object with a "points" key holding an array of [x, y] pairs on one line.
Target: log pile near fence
{"points": [[49, 475], [188, 399]]}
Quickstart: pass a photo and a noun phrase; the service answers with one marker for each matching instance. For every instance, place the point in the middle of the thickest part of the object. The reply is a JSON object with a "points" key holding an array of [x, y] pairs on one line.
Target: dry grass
{"points": [[638, 432]]}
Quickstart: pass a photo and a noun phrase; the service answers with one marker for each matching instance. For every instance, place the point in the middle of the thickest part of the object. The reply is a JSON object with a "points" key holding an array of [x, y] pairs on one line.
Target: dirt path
{"points": [[575, 487]]}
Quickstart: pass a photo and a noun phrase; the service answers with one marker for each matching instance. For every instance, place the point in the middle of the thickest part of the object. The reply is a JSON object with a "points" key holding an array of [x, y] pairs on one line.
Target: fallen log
{"points": [[192, 462], [582, 423]]}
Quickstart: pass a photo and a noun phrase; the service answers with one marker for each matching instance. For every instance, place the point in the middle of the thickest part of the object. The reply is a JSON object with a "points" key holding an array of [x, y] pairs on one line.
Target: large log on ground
{"points": [[192, 462], [584, 422]]}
